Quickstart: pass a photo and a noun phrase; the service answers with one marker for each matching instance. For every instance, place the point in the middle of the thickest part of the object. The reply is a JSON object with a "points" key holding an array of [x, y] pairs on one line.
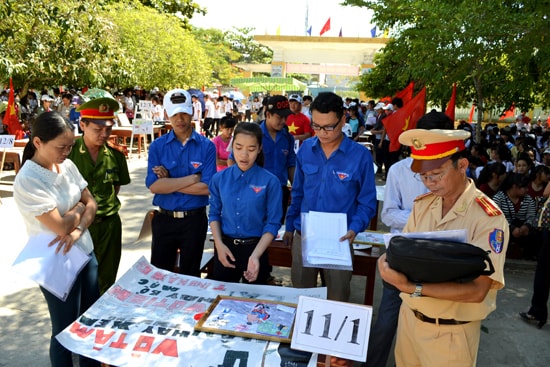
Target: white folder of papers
{"points": [[55, 272], [321, 245]]}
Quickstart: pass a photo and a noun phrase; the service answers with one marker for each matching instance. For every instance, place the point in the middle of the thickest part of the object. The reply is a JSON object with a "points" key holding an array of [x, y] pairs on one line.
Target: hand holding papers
{"points": [[55, 272], [321, 246]]}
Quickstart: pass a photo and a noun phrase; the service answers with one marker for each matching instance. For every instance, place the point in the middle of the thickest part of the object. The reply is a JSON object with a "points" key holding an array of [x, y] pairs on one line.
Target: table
{"points": [[364, 264], [127, 132]]}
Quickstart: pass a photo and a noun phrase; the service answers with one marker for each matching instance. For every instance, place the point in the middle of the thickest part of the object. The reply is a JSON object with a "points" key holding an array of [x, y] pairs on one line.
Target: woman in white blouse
{"points": [[53, 199]]}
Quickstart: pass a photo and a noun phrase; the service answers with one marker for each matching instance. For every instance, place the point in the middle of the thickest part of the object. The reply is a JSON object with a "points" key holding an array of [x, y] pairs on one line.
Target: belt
{"points": [[419, 315], [241, 241], [182, 214]]}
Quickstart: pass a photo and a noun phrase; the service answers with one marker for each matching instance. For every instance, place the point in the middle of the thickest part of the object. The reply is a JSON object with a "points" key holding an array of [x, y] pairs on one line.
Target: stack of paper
{"points": [[55, 272], [321, 245]]}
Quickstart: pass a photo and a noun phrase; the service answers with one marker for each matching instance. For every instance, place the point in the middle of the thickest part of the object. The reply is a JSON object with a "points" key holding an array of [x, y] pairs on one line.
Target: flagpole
{"points": [[307, 17]]}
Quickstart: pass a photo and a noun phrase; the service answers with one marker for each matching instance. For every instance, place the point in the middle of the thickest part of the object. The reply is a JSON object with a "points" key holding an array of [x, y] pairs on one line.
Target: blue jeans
{"points": [[381, 337], [84, 293]]}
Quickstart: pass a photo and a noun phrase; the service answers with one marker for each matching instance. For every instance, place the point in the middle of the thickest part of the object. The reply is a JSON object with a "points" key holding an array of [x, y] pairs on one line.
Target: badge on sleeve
{"points": [[496, 240]]}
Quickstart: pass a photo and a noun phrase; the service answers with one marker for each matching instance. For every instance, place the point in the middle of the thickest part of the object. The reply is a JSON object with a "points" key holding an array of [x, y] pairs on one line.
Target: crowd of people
{"points": [[247, 169]]}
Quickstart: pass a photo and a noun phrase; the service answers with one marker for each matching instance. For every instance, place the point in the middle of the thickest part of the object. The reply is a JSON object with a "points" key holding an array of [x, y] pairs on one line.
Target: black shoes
{"points": [[527, 317]]}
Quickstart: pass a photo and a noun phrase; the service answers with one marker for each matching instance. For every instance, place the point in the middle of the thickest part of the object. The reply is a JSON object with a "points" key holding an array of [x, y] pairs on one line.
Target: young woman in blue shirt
{"points": [[245, 211]]}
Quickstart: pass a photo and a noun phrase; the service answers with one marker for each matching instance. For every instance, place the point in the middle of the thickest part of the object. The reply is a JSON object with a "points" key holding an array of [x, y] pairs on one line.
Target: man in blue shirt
{"points": [[334, 175], [181, 164]]}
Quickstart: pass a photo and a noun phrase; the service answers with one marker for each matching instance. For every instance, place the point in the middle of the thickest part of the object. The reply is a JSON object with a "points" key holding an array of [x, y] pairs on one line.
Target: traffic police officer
{"points": [[439, 323]]}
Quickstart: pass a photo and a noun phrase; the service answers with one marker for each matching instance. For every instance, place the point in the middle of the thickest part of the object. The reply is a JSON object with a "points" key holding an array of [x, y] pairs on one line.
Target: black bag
{"points": [[436, 261]]}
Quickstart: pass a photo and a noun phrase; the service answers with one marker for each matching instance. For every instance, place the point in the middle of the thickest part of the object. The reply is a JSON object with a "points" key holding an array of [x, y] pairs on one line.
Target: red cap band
{"points": [[436, 150]]}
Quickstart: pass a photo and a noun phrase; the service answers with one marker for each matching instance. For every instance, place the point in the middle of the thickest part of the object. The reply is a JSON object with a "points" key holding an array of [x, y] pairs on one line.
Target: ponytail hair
{"points": [[46, 127]]}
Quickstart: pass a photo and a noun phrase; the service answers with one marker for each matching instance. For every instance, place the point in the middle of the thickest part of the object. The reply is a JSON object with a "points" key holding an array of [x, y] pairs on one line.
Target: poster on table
{"points": [[147, 318]]}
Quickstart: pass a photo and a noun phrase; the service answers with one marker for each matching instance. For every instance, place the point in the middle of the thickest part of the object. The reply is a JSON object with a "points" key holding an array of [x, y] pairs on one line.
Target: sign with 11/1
{"points": [[333, 328]]}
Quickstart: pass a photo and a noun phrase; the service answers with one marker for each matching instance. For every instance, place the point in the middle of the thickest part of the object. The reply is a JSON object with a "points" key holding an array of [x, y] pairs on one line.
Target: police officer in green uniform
{"points": [[105, 169]]}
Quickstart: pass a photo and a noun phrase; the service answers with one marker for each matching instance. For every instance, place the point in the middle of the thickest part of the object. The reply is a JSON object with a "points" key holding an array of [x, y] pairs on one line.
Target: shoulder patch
{"points": [[420, 197], [488, 206]]}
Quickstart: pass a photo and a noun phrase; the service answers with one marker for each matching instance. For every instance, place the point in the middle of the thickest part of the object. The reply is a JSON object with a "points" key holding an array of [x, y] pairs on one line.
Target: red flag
{"points": [[326, 27], [511, 112], [406, 94], [450, 110], [471, 117], [10, 118], [405, 119]]}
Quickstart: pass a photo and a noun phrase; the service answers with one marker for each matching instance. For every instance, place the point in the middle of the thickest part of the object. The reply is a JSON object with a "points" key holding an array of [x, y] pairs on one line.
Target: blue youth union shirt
{"points": [[247, 204], [198, 155]]}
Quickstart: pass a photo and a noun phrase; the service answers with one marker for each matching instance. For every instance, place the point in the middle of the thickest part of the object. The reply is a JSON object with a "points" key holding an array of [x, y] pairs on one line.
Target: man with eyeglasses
{"points": [[333, 174], [439, 323], [402, 187]]}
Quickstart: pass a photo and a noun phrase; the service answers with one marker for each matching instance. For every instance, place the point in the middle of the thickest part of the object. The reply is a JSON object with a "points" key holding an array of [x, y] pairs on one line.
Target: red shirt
{"points": [[298, 124]]}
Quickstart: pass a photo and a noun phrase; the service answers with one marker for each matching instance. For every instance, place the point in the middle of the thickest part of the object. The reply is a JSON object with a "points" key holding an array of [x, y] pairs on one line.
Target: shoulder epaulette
{"points": [[488, 206], [420, 197]]}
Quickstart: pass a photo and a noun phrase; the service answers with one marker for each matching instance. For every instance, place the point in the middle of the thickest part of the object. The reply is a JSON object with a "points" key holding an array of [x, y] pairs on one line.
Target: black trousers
{"points": [[286, 201], [186, 234], [241, 254], [207, 125], [541, 284]]}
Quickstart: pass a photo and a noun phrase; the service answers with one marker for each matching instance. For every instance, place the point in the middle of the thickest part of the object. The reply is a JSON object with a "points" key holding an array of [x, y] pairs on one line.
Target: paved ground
{"points": [[25, 327]]}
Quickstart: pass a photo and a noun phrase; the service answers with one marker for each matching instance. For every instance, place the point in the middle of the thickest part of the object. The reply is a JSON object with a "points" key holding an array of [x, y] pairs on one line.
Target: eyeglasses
{"points": [[327, 128], [431, 178]]}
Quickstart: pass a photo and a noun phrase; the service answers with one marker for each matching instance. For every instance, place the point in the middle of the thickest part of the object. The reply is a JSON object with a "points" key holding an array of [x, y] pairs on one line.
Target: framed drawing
{"points": [[249, 318]]}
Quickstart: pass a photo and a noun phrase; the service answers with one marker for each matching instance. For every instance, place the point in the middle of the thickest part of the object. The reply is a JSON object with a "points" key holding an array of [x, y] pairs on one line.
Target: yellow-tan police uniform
{"points": [[437, 332]]}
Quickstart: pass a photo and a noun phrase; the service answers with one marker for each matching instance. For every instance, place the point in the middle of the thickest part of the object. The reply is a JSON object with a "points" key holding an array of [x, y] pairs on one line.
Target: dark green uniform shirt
{"points": [[110, 170]]}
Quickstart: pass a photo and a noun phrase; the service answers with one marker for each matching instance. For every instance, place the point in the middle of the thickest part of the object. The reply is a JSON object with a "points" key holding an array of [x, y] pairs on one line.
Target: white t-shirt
{"points": [[210, 109], [197, 110], [346, 129], [219, 113], [38, 190]]}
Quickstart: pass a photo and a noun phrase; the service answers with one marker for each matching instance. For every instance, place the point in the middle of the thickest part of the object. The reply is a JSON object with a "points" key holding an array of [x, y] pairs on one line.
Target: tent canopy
{"points": [[267, 84]]}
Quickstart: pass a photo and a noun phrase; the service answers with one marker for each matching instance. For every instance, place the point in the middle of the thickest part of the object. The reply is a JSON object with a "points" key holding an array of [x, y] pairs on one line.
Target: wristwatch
{"points": [[81, 227], [417, 291]]}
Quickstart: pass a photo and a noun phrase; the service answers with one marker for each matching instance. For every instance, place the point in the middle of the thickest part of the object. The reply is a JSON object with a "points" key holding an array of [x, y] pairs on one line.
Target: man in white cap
{"points": [[439, 323], [46, 101], [181, 164]]}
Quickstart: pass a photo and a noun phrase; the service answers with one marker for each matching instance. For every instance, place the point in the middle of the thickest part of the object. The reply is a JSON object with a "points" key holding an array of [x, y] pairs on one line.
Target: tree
{"points": [[184, 9], [251, 52], [220, 53], [165, 55], [495, 51], [53, 42]]}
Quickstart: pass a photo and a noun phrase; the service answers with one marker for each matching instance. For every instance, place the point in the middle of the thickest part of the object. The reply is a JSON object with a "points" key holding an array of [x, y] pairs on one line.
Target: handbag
{"points": [[543, 215], [436, 261]]}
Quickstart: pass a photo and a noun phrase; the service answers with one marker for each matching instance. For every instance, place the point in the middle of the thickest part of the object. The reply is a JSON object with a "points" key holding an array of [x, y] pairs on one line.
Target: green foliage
{"points": [[220, 53], [163, 54], [251, 52], [185, 9], [496, 51], [50, 42]]}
